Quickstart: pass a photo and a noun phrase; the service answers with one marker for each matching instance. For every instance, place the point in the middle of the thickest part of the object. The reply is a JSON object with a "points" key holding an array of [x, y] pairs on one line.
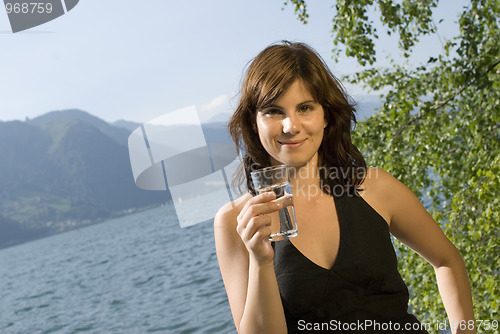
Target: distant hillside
{"points": [[13, 233], [62, 170], [131, 126], [118, 134]]}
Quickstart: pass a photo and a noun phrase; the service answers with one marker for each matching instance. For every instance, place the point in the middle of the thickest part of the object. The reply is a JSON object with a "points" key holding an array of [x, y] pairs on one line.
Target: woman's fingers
{"points": [[255, 226], [261, 234], [262, 198], [259, 205], [254, 223]]}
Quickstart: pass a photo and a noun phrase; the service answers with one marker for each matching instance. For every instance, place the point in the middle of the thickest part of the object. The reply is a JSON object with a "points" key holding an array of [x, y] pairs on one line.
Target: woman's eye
{"points": [[272, 112], [305, 108]]}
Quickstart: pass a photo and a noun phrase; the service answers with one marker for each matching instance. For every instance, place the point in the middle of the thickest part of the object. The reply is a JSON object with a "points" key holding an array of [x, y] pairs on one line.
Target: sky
{"points": [[139, 60]]}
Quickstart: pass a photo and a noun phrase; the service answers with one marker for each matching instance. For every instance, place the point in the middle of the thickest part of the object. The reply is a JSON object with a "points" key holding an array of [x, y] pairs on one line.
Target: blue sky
{"points": [[139, 60]]}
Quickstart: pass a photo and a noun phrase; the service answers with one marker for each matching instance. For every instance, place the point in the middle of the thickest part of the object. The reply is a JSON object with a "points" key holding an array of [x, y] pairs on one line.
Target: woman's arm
{"points": [[246, 263], [414, 226]]}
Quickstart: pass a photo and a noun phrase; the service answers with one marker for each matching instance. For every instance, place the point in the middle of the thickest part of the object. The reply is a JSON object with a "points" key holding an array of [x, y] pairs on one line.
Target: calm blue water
{"points": [[137, 274]]}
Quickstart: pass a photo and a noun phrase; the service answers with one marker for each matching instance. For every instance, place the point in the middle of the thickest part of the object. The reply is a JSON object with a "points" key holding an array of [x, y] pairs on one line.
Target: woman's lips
{"points": [[292, 144]]}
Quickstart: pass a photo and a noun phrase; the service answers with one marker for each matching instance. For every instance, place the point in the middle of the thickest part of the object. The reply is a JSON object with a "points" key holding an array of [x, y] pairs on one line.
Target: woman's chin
{"points": [[294, 164], [295, 161]]}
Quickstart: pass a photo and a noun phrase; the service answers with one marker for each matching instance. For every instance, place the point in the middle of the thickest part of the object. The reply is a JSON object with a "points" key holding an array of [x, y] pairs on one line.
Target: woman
{"points": [[340, 272]]}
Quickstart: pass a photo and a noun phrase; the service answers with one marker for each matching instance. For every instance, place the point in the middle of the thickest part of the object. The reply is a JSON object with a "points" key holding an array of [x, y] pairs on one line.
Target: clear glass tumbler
{"points": [[276, 179]]}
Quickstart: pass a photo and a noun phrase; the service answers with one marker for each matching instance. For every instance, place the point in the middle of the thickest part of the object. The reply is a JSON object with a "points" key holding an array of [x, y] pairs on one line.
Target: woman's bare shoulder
{"points": [[377, 179], [381, 191]]}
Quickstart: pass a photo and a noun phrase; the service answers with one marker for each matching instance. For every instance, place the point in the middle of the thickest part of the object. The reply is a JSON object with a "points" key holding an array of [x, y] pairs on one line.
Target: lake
{"points": [[140, 273]]}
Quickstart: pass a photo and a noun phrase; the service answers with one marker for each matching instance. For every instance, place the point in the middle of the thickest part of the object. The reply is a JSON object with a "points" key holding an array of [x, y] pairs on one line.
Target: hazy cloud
{"points": [[216, 103]]}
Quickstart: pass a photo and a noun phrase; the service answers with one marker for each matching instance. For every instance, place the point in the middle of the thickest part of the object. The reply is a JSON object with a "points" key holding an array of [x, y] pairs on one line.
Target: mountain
{"points": [[63, 170], [118, 134], [12, 233], [121, 123]]}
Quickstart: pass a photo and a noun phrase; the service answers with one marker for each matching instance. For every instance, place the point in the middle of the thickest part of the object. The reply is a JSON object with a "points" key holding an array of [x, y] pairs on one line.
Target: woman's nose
{"points": [[291, 125]]}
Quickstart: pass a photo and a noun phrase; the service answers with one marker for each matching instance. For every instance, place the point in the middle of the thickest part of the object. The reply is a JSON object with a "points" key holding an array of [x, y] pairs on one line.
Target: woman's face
{"points": [[291, 130]]}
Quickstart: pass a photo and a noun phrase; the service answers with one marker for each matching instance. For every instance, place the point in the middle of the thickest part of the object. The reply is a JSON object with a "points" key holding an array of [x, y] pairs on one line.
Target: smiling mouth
{"points": [[292, 144]]}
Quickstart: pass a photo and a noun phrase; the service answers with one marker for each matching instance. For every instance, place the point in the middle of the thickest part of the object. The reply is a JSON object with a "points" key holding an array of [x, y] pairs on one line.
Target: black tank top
{"points": [[362, 292]]}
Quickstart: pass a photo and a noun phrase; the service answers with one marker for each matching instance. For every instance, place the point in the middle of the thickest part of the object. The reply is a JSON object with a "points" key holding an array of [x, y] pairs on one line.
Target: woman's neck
{"points": [[305, 180]]}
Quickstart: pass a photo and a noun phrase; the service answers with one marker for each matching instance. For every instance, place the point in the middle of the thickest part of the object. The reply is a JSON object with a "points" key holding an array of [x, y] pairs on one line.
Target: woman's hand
{"points": [[254, 226]]}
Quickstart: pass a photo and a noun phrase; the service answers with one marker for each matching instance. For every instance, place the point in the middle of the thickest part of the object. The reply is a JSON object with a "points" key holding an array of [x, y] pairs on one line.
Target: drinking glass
{"points": [[276, 179]]}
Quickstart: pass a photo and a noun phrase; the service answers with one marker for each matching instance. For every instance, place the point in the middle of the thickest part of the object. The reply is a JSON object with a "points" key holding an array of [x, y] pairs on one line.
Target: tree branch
{"points": [[438, 105], [421, 114], [492, 66]]}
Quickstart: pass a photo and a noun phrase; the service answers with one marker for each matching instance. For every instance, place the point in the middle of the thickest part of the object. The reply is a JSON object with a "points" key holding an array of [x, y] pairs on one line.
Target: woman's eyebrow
{"points": [[272, 105], [269, 106], [305, 102]]}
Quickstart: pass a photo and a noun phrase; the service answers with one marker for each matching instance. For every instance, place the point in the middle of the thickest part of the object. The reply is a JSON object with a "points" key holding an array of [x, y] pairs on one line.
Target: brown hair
{"points": [[269, 75]]}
